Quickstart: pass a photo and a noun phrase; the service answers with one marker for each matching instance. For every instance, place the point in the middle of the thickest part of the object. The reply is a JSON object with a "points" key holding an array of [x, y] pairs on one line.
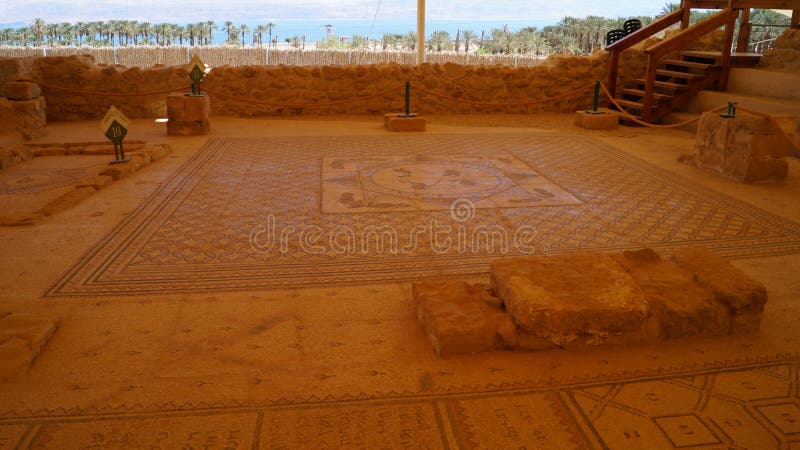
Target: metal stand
{"points": [[408, 102], [596, 101], [731, 111]]}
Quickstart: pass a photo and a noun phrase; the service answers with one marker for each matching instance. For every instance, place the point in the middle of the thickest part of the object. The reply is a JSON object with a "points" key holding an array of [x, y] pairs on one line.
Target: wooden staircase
{"points": [[676, 81], [671, 80]]}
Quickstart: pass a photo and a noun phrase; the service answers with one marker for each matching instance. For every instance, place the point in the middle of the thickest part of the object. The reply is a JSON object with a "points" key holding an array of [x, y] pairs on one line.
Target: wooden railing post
{"points": [[612, 72], [744, 31], [649, 88], [725, 60]]}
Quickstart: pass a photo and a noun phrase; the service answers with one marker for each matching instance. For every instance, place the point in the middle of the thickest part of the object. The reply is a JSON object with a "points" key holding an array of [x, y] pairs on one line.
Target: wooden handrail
{"points": [[662, 23], [692, 33]]}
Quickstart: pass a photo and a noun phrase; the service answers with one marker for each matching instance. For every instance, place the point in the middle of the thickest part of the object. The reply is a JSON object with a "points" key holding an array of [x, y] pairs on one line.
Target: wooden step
{"points": [[629, 104], [711, 57], [673, 74], [664, 85], [640, 93], [689, 64]]}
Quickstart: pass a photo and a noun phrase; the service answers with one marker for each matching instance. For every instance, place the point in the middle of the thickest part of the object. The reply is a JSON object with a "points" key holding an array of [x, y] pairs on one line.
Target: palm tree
{"points": [[244, 29], [270, 27], [211, 26], [439, 40], [469, 36], [259, 31], [228, 28], [38, 29], [410, 41]]}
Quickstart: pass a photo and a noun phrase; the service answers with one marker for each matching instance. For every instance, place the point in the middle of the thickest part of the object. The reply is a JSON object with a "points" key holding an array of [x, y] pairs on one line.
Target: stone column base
{"points": [[400, 122], [603, 121], [188, 115]]}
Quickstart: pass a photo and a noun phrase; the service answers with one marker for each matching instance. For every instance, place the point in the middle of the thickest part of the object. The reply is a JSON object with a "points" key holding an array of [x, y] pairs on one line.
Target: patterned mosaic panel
{"points": [[271, 212], [751, 406]]}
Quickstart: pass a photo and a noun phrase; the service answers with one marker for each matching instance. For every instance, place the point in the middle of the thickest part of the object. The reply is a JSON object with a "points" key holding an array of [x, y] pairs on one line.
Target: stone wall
{"points": [[785, 55], [303, 85]]}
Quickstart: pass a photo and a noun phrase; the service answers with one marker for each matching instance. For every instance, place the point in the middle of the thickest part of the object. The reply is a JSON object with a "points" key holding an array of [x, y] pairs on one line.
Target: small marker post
{"points": [[731, 110], [408, 101], [115, 125], [596, 102]]}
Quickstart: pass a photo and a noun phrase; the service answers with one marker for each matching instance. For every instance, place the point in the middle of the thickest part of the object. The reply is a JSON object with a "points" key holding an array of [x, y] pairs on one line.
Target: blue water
{"points": [[315, 30]]}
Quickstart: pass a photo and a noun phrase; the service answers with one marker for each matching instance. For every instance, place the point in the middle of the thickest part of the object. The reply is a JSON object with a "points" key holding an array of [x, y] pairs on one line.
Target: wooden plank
{"points": [[640, 93], [660, 24], [664, 84], [796, 19], [674, 74], [742, 4], [693, 65], [649, 88], [744, 31]]}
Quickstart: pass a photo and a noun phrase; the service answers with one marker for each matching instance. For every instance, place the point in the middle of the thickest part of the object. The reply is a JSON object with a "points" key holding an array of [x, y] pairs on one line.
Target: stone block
{"points": [[188, 114], [157, 152], [605, 121], [744, 297], [455, 318], [397, 122], [746, 148], [68, 200], [680, 306], [22, 90], [23, 337], [194, 128], [583, 299], [97, 182], [29, 117]]}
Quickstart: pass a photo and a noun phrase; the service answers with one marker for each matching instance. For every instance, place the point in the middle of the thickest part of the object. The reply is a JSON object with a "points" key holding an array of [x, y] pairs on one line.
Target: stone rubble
{"points": [[590, 299]]}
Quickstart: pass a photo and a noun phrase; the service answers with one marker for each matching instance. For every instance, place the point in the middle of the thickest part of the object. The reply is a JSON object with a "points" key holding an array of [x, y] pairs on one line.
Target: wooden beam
{"points": [[744, 31], [743, 4], [796, 19], [687, 13], [725, 61]]}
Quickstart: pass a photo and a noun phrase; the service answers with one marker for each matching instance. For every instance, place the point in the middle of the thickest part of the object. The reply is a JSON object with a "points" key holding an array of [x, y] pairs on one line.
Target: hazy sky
{"points": [[255, 11]]}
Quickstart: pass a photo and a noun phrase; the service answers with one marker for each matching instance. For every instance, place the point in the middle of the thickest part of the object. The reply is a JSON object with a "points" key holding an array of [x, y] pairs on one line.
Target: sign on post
{"points": [[197, 70], [115, 125]]}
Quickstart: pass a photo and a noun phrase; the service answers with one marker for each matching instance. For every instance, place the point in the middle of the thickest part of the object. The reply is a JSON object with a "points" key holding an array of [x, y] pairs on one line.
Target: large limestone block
{"points": [[680, 306], [744, 297], [746, 148], [456, 319], [188, 115], [399, 122], [30, 117], [22, 338], [22, 90], [583, 299]]}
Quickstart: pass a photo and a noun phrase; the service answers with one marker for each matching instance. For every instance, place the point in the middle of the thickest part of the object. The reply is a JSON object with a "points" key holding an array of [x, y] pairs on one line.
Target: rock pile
{"points": [[587, 299], [747, 148], [785, 55], [27, 108]]}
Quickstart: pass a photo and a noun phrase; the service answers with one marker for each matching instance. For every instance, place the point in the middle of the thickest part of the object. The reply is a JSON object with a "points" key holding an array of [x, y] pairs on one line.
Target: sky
{"points": [[184, 11]]}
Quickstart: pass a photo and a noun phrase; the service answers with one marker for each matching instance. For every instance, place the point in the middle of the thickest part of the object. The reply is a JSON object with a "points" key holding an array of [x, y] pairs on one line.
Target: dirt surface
{"points": [[347, 365]]}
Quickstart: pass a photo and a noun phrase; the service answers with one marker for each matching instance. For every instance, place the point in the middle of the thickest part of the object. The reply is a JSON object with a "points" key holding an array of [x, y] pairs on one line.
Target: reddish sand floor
{"points": [[347, 365]]}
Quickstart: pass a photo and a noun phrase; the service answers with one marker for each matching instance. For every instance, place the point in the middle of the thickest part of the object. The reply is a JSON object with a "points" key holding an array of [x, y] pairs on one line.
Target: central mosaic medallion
{"points": [[420, 182]]}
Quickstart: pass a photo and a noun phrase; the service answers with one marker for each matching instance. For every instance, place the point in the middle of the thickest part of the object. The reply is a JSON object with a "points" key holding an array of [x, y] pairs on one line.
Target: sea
{"points": [[316, 29]]}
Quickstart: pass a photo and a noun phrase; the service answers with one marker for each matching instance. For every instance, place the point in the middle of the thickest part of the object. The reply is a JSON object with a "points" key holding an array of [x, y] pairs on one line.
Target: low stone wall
{"points": [[305, 85]]}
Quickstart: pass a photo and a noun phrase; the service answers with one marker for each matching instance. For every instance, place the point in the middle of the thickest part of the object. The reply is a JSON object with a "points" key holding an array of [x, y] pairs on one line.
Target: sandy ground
{"points": [[251, 348]]}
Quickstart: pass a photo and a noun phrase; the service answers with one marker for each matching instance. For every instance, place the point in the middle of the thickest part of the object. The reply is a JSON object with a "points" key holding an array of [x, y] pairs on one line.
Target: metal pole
{"points": [[408, 98], [596, 96], [420, 31]]}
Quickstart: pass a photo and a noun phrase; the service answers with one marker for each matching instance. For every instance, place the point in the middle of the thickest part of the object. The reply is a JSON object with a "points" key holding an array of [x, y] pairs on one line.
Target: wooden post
{"points": [[612, 72], [649, 89], [686, 5], [744, 31], [725, 61], [420, 31], [796, 19]]}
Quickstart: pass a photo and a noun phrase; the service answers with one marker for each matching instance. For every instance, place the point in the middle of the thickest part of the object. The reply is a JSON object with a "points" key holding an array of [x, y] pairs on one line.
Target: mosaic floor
{"points": [[302, 211], [755, 406]]}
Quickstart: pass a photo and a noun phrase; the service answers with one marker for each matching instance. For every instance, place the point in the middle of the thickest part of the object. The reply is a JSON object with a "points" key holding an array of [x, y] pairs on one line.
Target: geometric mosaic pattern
{"points": [[31, 181], [264, 213], [754, 407]]}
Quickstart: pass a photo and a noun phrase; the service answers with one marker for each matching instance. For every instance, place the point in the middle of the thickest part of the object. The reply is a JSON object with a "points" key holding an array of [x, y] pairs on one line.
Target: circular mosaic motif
{"points": [[437, 180]]}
